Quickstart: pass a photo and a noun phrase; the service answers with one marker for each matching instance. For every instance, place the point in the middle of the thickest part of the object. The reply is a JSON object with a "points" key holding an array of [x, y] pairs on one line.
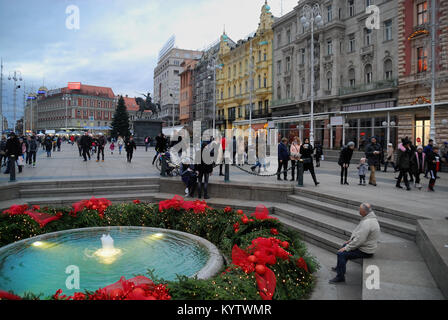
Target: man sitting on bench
{"points": [[362, 244]]}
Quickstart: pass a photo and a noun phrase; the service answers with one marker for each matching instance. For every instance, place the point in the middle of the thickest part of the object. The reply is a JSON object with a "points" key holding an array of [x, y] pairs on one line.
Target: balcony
{"points": [[379, 85], [281, 102], [367, 49], [259, 114]]}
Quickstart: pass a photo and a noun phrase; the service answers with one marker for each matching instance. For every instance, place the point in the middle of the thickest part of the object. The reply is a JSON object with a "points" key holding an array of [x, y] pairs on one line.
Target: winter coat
{"points": [[13, 147], [283, 153], [203, 167], [307, 150], [3, 145], [362, 169], [101, 141], [404, 157], [373, 159], [295, 151], [345, 156], [161, 144], [366, 235], [32, 145], [390, 154], [48, 144], [418, 162], [130, 146], [86, 142], [430, 158]]}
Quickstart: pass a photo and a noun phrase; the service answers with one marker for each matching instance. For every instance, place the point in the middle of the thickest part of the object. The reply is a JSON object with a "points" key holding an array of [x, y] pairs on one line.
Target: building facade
{"points": [[167, 81], [415, 70], [245, 77], [187, 92], [75, 108]]}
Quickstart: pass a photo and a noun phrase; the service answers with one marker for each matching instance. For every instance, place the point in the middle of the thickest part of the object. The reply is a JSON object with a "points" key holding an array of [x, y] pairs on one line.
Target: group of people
{"points": [[18, 150], [89, 144], [411, 162]]}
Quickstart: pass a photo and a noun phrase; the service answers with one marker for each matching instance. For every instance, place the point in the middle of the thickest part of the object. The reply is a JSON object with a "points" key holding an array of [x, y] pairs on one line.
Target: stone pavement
{"points": [[67, 165]]}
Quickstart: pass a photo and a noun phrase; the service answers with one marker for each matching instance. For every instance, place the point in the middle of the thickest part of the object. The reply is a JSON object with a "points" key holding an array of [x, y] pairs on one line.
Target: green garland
{"points": [[215, 225]]}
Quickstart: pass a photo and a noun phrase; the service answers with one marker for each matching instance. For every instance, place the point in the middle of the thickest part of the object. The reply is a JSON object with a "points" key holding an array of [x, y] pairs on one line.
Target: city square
{"points": [[300, 177]]}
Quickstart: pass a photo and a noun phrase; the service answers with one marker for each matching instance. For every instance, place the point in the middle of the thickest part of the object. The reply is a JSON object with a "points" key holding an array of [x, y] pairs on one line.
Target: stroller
{"points": [[172, 169]]}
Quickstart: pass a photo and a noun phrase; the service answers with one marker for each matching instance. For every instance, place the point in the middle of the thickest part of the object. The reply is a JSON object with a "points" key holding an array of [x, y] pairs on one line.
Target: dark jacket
{"points": [[101, 141], [418, 162], [373, 159], [345, 156], [48, 144], [130, 145], [404, 157], [430, 158], [86, 142], [161, 144], [283, 153], [204, 167], [13, 147], [307, 156], [32, 145]]}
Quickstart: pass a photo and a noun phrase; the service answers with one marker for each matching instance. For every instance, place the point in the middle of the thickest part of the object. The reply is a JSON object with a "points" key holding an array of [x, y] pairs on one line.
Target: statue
{"points": [[147, 104]]}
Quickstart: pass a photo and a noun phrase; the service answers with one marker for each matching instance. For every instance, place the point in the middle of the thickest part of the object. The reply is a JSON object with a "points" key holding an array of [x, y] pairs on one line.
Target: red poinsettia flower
{"points": [[8, 296], [16, 209], [136, 201], [274, 231], [227, 209], [262, 213], [301, 263]]}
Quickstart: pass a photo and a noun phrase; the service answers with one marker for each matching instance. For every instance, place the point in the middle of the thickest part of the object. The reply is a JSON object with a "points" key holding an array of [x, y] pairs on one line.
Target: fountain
{"points": [[108, 254]]}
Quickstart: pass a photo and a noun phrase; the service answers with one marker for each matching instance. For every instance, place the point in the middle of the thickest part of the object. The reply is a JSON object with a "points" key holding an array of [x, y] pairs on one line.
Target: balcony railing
{"points": [[384, 84], [258, 114], [280, 102]]}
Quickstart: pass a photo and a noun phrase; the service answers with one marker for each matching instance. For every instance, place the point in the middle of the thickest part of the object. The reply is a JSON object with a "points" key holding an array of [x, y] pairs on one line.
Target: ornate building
{"points": [[355, 73], [245, 76], [187, 92], [415, 70]]}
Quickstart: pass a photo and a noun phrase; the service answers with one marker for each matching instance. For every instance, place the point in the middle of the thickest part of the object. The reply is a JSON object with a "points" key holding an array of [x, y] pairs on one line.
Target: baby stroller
{"points": [[172, 169]]}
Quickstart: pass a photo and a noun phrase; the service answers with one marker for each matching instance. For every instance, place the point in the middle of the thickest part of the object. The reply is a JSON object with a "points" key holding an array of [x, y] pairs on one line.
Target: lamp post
{"points": [[432, 130], [31, 97], [15, 76], [310, 16], [66, 98]]}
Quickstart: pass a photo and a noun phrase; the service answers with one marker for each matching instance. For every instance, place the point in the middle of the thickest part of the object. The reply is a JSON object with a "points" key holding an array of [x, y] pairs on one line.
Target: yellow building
{"points": [[233, 78]]}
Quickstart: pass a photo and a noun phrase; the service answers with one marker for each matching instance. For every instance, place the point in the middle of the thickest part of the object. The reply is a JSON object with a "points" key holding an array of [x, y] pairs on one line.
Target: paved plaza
{"points": [[67, 165]]}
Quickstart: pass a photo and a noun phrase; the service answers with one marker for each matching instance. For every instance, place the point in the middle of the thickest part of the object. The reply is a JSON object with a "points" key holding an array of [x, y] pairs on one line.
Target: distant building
{"points": [[86, 106], [167, 80], [134, 111], [187, 92]]}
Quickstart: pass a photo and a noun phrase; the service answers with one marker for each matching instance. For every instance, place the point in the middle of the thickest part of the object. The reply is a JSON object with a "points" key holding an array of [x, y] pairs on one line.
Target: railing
{"points": [[258, 114], [384, 84], [280, 102]]}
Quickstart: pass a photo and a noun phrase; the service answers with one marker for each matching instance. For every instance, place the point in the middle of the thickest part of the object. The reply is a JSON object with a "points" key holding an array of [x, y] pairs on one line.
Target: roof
{"points": [[89, 90], [131, 104]]}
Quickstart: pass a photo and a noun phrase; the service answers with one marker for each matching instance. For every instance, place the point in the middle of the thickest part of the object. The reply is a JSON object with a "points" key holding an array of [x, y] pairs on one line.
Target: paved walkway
{"points": [[67, 165]]}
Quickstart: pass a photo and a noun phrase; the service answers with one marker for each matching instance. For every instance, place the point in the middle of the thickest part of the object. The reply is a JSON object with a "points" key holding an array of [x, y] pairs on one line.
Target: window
{"points": [[234, 90], [241, 67], [241, 88], [265, 81], [422, 13], [288, 64], [367, 37], [279, 40], [279, 67], [329, 81], [351, 77], [279, 93], [247, 87], [259, 55], [229, 93], [388, 69], [351, 8], [368, 73], [265, 56], [388, 30], [351, 43], [368, 3], [230, 72], [329, 47], [329, 13], [422, 59], [259, 81], [288, 36], [288, 91], [303, 86], [302, 53]]}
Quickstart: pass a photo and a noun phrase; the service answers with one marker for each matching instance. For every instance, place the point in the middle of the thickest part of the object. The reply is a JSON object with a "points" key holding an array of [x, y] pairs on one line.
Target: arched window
{"points": [[351, 77], [329, 81], [368, 73], [388, 69]]}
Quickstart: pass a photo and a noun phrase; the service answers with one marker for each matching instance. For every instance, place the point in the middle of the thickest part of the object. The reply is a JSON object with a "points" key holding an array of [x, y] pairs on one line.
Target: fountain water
{"points": [[108, 253]]}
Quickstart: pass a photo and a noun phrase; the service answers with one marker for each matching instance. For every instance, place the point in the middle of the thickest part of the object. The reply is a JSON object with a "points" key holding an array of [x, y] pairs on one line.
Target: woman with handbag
{"points": [[344, 160], [307, 150], [294, 152]]}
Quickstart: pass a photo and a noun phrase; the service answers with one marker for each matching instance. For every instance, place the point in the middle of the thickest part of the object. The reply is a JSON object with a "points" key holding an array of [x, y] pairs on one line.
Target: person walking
{"points": [[130, 146], [58, 143], [222, 155], [307, 150], [345, 156], [48, 145], [32, 145], [161, 146], [373, 153], [294, 152], [404, 163], [86, 143], [112, 147], [319, 153], [101, 142], [433, 165], [203, 170], [13, 152], [147, 143], [418, 161], [363, 242], [283, 159], [427, 150], [390, 154], [3, 151], [120, 143]]}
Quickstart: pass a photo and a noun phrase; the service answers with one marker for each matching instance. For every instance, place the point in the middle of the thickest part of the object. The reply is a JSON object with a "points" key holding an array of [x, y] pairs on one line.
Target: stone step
{"points": [[89, 183], [380, 210], [87, 190], [398, 228]]}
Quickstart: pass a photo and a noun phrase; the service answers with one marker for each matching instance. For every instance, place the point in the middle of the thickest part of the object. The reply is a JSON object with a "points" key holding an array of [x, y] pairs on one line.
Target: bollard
{"points": [[12, 168], [226, 172], [163, 166], [300, 173]]}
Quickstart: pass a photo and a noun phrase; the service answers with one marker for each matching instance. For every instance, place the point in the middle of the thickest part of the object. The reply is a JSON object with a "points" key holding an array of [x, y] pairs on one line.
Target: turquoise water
{"points": [[40, 267]]}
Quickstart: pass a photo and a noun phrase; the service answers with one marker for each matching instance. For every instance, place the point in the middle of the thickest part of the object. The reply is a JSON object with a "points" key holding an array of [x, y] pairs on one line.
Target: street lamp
{"points": [[31, 97], [213, 67], [310, 16], [66, 98], [15, 76]]}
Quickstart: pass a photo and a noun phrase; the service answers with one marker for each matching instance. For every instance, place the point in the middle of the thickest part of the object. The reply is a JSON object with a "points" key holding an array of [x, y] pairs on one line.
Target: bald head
{"points": [[365, 209]]}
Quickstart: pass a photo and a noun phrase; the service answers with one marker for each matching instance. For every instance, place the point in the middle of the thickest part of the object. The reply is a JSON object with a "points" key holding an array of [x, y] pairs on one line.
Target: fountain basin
{"points": [[39, 264]]}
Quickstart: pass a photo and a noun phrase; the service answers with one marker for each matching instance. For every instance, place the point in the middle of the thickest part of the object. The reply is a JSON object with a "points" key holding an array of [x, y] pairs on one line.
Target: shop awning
{"points": [[302, 118]]}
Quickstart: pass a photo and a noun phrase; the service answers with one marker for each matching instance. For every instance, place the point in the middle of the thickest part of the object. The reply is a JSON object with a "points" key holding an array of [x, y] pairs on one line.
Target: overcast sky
{"points": [[118, 40]]}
